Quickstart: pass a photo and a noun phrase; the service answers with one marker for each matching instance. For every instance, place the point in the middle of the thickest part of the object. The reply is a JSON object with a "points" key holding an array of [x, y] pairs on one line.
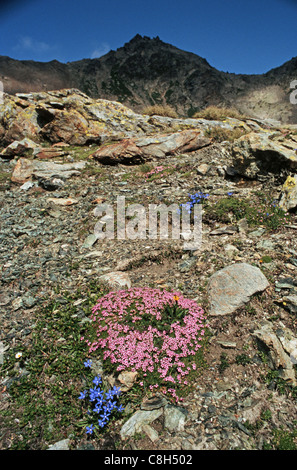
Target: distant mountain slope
{"points": [[147, 71]]}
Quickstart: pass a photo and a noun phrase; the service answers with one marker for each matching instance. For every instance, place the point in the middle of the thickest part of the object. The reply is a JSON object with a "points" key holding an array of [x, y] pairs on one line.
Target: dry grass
{"points": [[216, 113], [160, 110], [219, 134]]}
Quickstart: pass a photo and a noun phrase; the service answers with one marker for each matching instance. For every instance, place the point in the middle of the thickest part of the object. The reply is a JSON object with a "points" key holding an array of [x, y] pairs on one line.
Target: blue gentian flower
{"points": [[105, 402], [90, 429], [97, 380], [94, 393], [82, 395], [116, 390]]}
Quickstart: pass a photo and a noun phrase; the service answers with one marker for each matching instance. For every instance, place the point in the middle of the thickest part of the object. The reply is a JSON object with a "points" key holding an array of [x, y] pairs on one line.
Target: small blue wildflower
{"points": [[111, 405], [94, 393], [100, 400], [106, 413], [88, 363], [97, 380], [90, 429], [82, 395], [230, 194], [116, 390], [98, 408], [109, 394]]}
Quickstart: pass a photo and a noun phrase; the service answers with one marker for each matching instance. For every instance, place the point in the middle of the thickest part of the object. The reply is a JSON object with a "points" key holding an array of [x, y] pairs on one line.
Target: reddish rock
{"points": [[144, 148], [51, 152], [22, 171], [61, 144]]}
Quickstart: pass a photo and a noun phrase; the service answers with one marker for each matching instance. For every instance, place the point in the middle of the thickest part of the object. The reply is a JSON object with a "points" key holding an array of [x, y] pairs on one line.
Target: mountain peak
{"points": [[139, 41], [138, 38], [147, 71]]}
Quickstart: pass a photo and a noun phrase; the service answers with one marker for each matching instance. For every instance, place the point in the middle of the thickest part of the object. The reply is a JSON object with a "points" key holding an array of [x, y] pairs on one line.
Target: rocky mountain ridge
{"points": [[148, 71]]}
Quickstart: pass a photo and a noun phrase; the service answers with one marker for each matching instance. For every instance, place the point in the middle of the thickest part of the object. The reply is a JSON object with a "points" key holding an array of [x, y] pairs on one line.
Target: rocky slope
{"points": [[147, 71], [72, 153]]}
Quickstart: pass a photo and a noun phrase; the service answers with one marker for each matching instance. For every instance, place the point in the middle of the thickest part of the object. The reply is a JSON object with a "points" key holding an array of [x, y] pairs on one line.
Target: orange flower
{"points": [[176, 297]]}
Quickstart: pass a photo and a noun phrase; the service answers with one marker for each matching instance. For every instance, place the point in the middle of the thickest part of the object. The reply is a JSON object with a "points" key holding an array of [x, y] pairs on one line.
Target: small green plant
{"points": [[284, 440], [243, 359], [224, 364], [283, 387], [266, 415], [158, 170], [266, 259], [145, 168], [257, 211]]}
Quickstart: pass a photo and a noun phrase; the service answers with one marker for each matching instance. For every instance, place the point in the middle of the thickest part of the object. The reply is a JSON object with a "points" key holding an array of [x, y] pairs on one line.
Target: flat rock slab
{"points": [[139, 419], [26, 169], [145, 148], [232, 287]]}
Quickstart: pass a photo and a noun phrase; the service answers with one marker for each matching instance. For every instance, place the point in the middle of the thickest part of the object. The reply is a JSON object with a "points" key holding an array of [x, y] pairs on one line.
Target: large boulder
{"points": [[232, 287], [258, 153]]}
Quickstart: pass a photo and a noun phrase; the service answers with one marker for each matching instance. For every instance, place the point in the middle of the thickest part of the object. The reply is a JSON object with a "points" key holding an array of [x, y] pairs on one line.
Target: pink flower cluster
{"points": [[127, 343], [154, 171]]}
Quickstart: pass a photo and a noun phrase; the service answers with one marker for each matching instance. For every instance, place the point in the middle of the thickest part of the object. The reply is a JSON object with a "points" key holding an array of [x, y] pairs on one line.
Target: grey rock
{"points": [[90, 240], [150, 432], [148, 147], [291, 301], [28, 300], [266, 245], [225, 230], [137, 420], [286, 283], [227, 344], [257, 233], [174, 418], [60, 445], [117, 280], [279, 359], [154, 403], [231, 287]]}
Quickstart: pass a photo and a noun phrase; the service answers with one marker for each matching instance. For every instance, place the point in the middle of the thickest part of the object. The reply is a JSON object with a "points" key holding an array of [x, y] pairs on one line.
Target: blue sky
{"points": [[233, 35]]}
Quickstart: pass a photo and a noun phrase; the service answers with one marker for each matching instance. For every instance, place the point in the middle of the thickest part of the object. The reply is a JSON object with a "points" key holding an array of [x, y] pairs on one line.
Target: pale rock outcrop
{"points": [[232, 287]]}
